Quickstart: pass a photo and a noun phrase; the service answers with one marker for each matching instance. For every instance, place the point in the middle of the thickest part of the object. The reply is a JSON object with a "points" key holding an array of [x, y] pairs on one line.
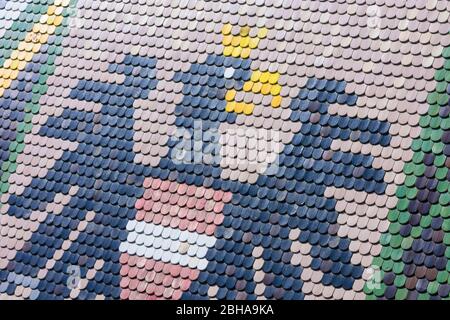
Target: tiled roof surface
{"points": [[249, 149]]}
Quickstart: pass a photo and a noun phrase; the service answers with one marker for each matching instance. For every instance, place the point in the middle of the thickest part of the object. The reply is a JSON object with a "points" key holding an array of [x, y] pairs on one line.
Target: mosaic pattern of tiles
{"points": [[224, 149]]}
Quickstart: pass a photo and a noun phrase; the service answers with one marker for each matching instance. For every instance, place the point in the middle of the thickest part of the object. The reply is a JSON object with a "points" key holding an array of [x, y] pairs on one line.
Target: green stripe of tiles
{"points": [[32, 108], [390, 258]]}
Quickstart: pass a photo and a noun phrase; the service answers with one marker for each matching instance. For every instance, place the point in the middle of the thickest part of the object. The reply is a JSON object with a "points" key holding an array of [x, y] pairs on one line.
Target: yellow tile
{"points": [[13, 56], [257, 87], [230, 106], [239, 107], [14, 65], [228, 51], [4, 73], [266, 88], [256, 75], [276, 102], [226, 29], [253, 44], [274, 77], [245, 53], [7, 74], [21, 47], [51, 10], [262, 33], [248, 86], [248, 108], [244, 43], [58, 20], [12, 74], [244, 31], [29, 56], [236, 41], [22, 65], [265, 77], [236, 52], [226, 41], [231, 94], [51, 20], [28, 46], [276, 89], [5, 83], [23, 56]]}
